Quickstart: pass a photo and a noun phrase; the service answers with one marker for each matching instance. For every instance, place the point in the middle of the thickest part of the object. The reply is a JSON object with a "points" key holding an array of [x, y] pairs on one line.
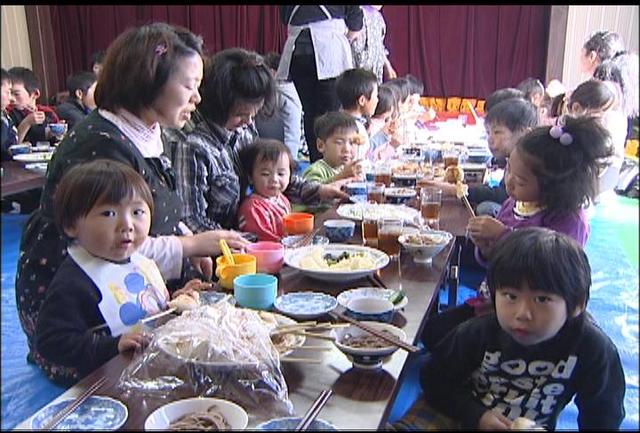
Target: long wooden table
{"points": [[16, 178], [362, 399]]}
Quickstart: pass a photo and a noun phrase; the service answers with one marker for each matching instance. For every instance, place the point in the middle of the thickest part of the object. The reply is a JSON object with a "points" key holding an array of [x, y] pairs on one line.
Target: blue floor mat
{"points": [[25, 388]]}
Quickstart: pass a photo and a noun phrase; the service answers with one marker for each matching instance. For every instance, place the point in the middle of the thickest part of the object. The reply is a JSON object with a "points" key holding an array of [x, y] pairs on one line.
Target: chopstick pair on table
{"points": [[57, 418], [314, 410]]}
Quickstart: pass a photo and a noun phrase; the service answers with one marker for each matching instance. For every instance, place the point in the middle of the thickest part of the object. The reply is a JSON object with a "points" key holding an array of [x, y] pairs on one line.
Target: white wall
{"points": [[15, 38], [582, 21]]}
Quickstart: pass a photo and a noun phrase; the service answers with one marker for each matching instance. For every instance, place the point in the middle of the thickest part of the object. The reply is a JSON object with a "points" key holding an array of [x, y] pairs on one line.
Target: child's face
{"points": [[22, 98], [242, 114], [88, 99], [380, 121], [113, 231], [339, 148], [414, 100], [271, 178], [6, 94], [369, 106], [530, 316], [521, 183], [502, 140]]}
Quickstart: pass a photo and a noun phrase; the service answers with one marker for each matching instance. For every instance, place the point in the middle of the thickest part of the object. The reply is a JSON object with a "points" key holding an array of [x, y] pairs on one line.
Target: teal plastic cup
{"points": [[257, 291]]}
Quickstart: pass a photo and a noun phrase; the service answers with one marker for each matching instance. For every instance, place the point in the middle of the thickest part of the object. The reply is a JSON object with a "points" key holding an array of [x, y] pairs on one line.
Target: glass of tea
{"points": [[382, 174], [430, 203], [451, 157], [375, 192], [388, 232], [369, 224]]}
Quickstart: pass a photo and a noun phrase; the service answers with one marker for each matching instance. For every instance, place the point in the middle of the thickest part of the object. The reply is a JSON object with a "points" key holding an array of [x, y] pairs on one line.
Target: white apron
{"points": [[330, 46], [130, 291]]}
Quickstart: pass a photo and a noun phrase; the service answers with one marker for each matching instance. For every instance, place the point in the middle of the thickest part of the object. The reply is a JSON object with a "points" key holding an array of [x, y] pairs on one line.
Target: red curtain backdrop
{"points": [[455, 50]]}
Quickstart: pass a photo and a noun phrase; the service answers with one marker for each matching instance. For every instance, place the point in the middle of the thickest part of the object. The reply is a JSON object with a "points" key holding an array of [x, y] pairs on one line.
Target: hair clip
{"points": [[161, 49], [564, 137]]}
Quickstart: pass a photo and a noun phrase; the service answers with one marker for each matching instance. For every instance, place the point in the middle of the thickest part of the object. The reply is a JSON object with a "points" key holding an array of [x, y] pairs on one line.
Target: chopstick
{"points": [[473, 111], [145, 320], [320, 348], [393, 340], [312, 335], [74, 404], [306, 239], [314, 410], [465, 200], [287, 329], [375, 279]]}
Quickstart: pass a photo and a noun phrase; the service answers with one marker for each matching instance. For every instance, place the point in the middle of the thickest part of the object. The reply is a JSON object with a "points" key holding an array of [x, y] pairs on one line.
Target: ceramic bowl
{"points": [[407, 180], [57, 128], [298, 223], [257, 291], [366, 357], [356, 188], [399, 195], [161, 418], [19, 149], [290, 423], [339, 230], [290, 241], [425, 245], [269, 256], [371, 309]]}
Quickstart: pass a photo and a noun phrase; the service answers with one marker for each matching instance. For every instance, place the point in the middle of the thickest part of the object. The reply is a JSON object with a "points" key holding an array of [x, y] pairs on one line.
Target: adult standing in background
{"points": [[282, 121], [316, 52], [368, 47]]}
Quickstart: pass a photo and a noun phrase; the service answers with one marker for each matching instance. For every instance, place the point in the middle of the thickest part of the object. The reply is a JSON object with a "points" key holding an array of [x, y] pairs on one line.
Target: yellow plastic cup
{"points": [[245, 264]]}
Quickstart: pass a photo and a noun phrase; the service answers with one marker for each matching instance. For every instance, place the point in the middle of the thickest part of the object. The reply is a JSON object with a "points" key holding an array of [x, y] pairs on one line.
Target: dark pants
{"points": [[317, 96]]}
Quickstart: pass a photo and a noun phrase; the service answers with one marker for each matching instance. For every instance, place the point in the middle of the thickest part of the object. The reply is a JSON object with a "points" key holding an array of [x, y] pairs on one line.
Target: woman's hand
{"points": [[328, 192], [204, 265], [485, 228], [491, 420], [448, 189], [131, 341]]}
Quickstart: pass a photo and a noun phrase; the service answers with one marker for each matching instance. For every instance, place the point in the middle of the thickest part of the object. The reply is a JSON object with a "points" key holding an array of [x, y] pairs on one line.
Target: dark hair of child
{"points": [[530, 87], [622, 69], [593, 95], [272, 60], [605, 44], [263, 149], [5, 75], [516, 114], [415, 85], [98, 57], [567, 174], [327, 124], [544, 260], [500, 95], [89, 184], [354, 83], [26, 77], [386, 100], [402, 86], [80, 81]]}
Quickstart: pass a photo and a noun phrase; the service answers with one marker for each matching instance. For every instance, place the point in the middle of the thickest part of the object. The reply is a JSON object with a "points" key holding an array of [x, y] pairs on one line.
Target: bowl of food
{"points": [[425, 245], [404, 179], [336, 262], [356, 188], [199, 413], [20, 149], [366, 350], [290, 423], [339, 230], [293, 240], [399, 195], [370, 309]]}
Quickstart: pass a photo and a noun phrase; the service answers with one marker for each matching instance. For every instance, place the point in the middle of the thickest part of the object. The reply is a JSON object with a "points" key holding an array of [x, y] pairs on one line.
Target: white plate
{"points": [[95, 413], [34, 157], [293, 257], [354, 212], [160, 419], [370, 292], [305, 305]]}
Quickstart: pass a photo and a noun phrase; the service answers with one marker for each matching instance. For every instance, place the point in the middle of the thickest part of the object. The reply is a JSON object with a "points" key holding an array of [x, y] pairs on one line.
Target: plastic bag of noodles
{"points": [[212, 351]]}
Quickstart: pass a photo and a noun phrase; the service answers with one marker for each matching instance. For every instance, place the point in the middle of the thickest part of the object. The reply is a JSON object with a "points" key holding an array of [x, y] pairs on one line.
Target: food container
{"points": [[399, 195], [424, 246], [19, 149], [339, 230], [366, 357], [298, 223], [257, 291], [405, 179], [356, 188], [269, 256], [160, 419], [226, 272], [370, 308]]}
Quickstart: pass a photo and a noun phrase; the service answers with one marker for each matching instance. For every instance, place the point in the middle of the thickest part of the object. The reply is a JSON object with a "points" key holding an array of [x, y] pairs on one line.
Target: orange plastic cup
{"points": [[298, 223]]}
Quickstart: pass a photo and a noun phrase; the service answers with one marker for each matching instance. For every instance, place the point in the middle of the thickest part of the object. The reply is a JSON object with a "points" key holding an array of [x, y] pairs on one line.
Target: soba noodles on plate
{"points": [[211, 420]]}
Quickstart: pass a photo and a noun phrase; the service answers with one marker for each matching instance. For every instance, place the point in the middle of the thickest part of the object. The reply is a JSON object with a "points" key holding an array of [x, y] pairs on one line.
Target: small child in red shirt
{"points": [[269, 165]]}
